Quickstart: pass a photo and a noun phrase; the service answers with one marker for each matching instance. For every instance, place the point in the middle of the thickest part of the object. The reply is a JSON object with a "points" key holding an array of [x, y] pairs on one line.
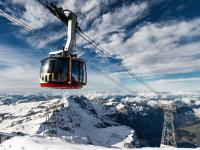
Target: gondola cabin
{"points": [[63, 73]]}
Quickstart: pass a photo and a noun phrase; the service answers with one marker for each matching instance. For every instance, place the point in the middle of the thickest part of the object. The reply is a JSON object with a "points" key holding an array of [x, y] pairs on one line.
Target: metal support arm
{"points": [[71, 33], [70, 19]]}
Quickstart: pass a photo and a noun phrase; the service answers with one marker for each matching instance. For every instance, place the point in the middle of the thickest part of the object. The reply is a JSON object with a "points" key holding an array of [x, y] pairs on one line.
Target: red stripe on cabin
{"points": [[60, 86]]}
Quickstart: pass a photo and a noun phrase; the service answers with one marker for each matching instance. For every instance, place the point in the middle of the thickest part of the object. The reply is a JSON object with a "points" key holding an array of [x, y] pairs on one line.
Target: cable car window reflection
{"points": [[56, 70], [45, 66], [81, 73], [62, 69], [85, 74], [52, 66], [75, 71]]}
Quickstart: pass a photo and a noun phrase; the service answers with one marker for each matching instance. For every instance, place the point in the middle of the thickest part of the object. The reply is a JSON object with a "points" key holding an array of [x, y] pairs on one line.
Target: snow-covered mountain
{"points": [[77, 120], [100, 119]]}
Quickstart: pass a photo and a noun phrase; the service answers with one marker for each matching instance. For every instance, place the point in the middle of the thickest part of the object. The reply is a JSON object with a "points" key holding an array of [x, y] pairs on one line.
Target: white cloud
{"points": [[116, 21], [21, 72], [52, 36], [39, 17], [197, 112], [86, 10], [89, 5], [98, 81], [35, 14], [178, 80], [181, 84], [154, 48]]}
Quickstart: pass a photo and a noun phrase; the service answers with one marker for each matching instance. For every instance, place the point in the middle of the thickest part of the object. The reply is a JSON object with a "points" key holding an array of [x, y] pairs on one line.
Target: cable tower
{"points": [[168, 133]]}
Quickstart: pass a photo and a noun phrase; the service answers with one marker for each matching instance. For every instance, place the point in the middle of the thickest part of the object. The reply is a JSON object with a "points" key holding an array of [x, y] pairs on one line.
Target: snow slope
{"points": [[35, 143], [77, 121]]}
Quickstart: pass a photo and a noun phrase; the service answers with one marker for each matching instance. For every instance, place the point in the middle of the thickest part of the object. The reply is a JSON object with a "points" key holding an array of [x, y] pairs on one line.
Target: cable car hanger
{"points": [[62, 69]]}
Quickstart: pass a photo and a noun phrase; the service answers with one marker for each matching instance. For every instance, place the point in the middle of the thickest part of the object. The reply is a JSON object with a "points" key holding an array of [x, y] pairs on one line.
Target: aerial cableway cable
{"points": [[112, 79], [44, 37], [102, 50], [28, 28], [109, 77], [44, 2]]}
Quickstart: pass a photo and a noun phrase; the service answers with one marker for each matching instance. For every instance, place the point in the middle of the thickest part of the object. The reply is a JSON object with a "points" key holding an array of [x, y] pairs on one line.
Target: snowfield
{"points": [[35, 143], [91, 120]]}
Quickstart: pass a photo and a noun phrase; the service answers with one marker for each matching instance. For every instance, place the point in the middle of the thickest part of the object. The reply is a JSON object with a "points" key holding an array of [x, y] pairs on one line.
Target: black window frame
{"points": [[80, 62]]}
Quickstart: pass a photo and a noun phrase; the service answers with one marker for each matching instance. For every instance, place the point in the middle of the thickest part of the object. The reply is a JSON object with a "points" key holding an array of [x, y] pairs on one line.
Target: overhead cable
{"points": [[102, 50], [27, 27]]}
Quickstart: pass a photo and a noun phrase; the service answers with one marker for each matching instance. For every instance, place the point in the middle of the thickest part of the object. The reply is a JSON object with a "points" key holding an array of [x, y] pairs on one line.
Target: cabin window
{"points": [[55, 69], [75, 71]]}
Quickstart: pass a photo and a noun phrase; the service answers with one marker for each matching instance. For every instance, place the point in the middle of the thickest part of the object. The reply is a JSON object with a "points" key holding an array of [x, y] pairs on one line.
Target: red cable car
{"points": [[62, 70], [63, 73]]}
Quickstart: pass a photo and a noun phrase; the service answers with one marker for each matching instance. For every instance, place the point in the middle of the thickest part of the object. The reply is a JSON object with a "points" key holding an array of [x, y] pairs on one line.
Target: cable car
{"points": [[63, 73], [62, 69]]}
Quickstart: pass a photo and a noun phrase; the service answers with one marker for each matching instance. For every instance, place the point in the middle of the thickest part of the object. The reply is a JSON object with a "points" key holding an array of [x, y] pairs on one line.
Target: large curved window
{"points": [[75, 71], [78, 71], [54, 69], [57, 70], [83, 73]]}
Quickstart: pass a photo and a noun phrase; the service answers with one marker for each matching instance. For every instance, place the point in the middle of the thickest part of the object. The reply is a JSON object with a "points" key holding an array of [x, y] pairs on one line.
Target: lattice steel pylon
{"points": [[168, 133]]}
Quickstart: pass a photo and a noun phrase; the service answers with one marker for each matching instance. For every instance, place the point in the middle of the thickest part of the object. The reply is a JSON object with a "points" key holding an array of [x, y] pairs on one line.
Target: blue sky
{"points": [[158, 40]]}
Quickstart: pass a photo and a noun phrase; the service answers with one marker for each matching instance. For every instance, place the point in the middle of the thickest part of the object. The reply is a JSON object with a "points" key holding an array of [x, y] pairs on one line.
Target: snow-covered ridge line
{"points": [[99, 119]]}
